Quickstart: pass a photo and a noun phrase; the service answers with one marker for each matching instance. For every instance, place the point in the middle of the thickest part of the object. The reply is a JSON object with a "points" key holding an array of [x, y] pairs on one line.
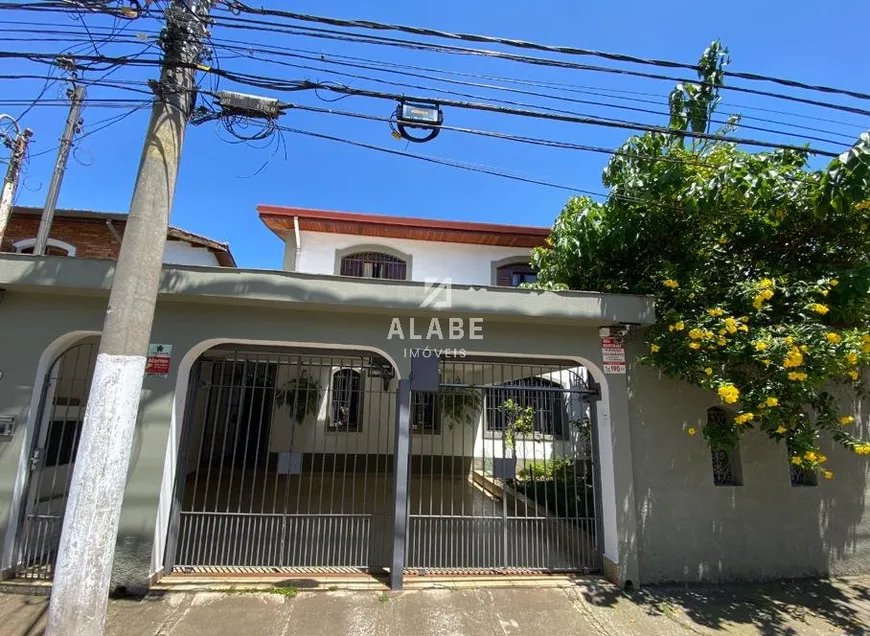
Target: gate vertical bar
{"points": [[400, 482]]}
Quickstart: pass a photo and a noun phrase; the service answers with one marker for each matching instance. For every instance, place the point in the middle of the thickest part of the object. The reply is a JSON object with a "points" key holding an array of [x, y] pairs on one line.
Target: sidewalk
{"points": [[591, 608]]}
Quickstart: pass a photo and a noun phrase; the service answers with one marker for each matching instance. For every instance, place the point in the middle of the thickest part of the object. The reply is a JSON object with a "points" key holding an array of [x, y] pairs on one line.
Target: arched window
{"points": [[374, 265], [347, 388], [52, 248], [547, 399], [726, 463], [515, 274]]}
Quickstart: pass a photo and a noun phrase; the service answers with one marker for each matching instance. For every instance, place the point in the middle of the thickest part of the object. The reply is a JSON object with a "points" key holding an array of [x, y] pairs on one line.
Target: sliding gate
{"points": [[289, 462], [502, 470]]}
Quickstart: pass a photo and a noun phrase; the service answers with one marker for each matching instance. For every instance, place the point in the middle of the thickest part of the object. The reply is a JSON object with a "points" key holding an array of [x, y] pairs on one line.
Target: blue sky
{"points": [[217, 194]]}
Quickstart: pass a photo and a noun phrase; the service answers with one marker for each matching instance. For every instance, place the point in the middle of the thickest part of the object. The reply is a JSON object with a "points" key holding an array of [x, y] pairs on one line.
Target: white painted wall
{"points": [[181, 253], [464, 264]]}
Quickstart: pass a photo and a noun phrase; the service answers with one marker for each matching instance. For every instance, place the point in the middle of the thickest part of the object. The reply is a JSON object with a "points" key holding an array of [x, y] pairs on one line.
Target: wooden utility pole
{"points": [[76, 95], [90, 525], [18, 146]]}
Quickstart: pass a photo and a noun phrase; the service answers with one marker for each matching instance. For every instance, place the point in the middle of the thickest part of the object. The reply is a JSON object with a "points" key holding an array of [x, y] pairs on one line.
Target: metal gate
{"points": [[502, 470], [59, 424], [289, 462]]}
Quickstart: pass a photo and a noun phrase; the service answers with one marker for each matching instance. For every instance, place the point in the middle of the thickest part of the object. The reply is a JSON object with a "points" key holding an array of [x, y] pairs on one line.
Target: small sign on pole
{"points": [[158, 362], [613, 355]]}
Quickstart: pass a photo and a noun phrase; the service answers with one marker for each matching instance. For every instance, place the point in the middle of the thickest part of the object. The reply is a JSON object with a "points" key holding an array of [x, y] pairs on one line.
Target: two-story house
{"points": [[392, 400]]}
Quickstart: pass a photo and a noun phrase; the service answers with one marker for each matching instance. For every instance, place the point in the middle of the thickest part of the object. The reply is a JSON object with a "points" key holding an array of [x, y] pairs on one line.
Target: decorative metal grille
{"points": [[545, 397], [374, 265], [802, 477], [60, 418], [724, 462]]}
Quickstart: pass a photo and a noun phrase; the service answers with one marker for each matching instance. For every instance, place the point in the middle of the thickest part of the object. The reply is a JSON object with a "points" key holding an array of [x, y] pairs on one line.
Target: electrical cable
{"points": [[258, 26], [444, 162], [235, 5]]}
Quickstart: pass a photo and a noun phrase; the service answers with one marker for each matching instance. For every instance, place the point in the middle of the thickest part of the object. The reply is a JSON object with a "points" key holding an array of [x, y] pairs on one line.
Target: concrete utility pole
{"points": [[90, 525], [18, 146], [77, 95]]}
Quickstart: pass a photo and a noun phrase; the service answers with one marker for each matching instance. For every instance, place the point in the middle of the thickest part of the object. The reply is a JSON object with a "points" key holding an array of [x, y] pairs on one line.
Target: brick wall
{"points": [[91, 237]]}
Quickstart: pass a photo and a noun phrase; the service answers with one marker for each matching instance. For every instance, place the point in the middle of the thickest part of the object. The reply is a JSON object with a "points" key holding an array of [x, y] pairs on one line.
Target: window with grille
{"points": [[726, 464], [374, 265], [515, 275], [424, 414], [547, 399], [347, 387]]}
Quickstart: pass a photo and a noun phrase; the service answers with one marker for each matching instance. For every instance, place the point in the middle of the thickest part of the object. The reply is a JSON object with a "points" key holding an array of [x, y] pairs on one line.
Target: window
{"points": [[62, 442], [515, 274], [374, 265], [346, 401], [424, 414], [544, 396], [802, 476], [726, 464], [52, 248]]}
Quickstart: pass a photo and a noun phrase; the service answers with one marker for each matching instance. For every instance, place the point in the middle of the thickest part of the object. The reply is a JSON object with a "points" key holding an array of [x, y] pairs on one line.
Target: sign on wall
{"points": [[613, 355], [158, 362]]}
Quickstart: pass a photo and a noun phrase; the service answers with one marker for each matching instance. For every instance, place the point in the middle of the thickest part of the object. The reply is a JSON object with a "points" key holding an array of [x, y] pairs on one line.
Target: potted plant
{"points": [[459, 404], [301, 396], [519, 420]]}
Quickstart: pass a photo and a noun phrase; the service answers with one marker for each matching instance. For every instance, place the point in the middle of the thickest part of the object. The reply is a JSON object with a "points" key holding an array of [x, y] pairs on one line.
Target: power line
{"points": [[524, 44], [259, 25], [503, 101], [441, 161]]}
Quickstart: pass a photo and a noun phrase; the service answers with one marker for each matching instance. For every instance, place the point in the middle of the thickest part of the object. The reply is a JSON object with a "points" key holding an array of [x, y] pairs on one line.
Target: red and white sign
{"points": [[613, 355], [157, 363]]}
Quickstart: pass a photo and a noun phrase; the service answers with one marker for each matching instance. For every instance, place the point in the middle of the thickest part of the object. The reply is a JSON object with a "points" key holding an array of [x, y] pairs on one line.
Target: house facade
{"points": [[91, 234], [395, 401]]}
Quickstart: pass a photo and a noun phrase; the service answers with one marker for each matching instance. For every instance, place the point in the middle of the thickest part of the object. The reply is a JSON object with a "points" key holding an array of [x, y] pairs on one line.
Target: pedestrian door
{"points": [[59, 424]]}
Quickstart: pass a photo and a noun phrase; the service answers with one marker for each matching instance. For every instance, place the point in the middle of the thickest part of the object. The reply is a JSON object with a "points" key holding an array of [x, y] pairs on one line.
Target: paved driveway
{"points": [[592, 607]]}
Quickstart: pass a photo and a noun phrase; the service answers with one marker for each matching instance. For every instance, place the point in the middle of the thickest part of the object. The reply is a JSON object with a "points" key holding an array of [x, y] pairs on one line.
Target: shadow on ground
{"points": [[772, 608]]}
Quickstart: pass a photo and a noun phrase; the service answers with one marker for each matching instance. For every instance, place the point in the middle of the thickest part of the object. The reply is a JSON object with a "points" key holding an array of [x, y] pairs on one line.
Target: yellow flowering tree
{"points": [[759, 265]]}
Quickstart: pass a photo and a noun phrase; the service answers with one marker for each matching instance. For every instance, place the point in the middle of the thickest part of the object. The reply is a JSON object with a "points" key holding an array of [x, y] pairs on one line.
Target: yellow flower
{"points": [[767, 363], [671, 283], [797, 376], [743, 328], [694, 345], [796, 460], [821, 459], [722, 332], [804, 348], [758, 302], [847, 419], [731, 325], [810, 456], [833, 338], [780, 429], [853, 374], [721, 342], [789, 340], [654, 348], [772, 401], [828, 474], [679, 326], [760, 346], [729, 393], [765, 283], [708, 335], [691, 431], [834, 282], [767, 294], [823, 292], [715, 312], [696, 334], [852, 358], [794, 358], [708, 371], [744, 417], [818, 308]]}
